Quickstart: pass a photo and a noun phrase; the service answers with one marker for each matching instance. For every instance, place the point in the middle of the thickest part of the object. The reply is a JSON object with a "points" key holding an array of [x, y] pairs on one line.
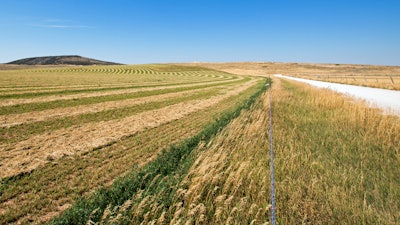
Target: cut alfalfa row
{"points": [[36, 125], [54, 91], [105, 97]]}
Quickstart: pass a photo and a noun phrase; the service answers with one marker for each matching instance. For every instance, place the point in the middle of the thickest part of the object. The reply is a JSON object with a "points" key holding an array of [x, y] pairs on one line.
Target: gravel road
{"points": [[387, 100]]}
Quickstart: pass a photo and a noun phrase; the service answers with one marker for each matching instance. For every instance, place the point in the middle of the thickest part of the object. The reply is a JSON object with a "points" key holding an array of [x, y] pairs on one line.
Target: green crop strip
{"points": [[171, 165], [30, 107]]}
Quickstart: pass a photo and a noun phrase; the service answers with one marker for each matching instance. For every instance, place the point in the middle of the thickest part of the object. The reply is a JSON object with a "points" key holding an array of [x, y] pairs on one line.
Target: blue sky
{"points": [[150, 31]]}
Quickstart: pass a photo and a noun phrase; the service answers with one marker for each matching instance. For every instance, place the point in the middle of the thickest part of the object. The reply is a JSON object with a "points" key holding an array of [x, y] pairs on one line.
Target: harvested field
{"points": [[57, 122]]}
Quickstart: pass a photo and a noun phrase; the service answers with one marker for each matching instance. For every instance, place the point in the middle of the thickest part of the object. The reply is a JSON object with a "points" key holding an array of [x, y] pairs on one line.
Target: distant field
{"points": [[387, 77], [66, 131], [391, 82]]}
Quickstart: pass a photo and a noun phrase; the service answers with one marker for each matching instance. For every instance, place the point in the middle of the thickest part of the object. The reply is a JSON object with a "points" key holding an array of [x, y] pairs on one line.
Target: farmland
{"points": [[184, 144], [387, 77], [68, 131]]}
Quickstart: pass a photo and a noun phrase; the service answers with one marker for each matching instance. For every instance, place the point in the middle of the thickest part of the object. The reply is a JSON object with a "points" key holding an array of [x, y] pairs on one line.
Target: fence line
{"points": [[272, 169]]}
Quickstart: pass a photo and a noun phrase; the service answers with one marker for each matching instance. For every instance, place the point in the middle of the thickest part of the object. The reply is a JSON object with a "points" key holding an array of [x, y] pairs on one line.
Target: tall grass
{"points": [[337, 160]]}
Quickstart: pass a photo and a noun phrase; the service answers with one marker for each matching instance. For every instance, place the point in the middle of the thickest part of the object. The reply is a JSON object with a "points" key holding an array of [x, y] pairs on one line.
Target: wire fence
{"points": [[272, 169]]}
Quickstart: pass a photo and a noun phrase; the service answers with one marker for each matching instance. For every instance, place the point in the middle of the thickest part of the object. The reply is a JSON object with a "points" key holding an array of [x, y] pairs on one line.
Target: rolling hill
{"points": [[61, 60]]}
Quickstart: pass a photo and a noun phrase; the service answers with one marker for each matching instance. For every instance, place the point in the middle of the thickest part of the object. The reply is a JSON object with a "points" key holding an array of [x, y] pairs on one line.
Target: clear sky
{"points": [[151, 31]]}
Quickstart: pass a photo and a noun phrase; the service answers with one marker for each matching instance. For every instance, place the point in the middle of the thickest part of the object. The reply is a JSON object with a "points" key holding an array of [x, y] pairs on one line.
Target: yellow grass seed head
{"points": [[218, 214], [220, 199], [162, 220], [228, 201]]}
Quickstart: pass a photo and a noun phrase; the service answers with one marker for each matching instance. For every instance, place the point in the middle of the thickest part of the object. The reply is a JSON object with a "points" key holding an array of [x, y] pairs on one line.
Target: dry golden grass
{"points": [[337, 160]]}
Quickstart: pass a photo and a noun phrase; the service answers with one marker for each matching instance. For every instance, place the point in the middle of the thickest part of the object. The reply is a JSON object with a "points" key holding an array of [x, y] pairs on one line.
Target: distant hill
{"points": [[61, 60]]}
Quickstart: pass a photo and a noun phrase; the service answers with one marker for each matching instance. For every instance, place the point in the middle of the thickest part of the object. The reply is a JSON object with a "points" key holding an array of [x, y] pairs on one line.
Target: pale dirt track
{"points": [[387, 100], [38, 150]]}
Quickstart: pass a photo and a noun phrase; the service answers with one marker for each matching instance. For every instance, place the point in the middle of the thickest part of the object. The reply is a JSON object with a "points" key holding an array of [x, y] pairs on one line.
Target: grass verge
{"points": [[337, 161]]}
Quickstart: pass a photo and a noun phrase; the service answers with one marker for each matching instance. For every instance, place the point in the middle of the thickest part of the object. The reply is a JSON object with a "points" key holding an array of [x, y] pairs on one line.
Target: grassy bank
{"points": [[337, 160]]}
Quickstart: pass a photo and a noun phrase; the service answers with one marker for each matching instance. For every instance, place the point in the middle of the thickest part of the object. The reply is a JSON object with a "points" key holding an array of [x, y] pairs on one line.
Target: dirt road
{"points": [[387, 100]]}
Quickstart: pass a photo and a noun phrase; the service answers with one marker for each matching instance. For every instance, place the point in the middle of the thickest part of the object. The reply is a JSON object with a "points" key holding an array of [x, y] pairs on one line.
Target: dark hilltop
{"points": [[61, 60]]}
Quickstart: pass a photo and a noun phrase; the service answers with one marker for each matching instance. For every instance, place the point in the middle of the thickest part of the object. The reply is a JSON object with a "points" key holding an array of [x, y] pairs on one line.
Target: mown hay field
{"points": [[65, 132]]}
